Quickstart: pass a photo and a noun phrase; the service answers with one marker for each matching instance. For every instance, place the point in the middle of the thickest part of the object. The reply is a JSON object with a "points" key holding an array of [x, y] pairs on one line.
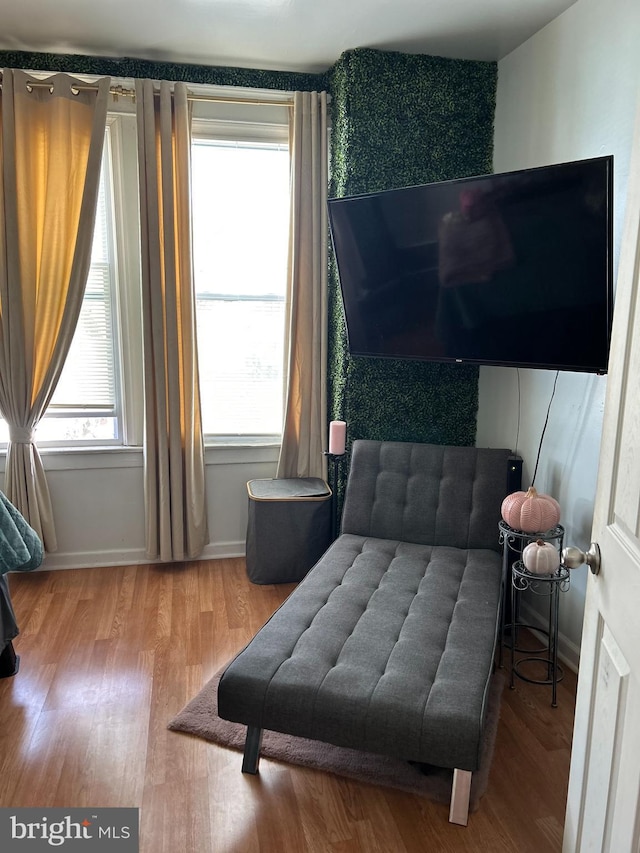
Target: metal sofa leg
{"points": [[252, 746], [459, 809]]}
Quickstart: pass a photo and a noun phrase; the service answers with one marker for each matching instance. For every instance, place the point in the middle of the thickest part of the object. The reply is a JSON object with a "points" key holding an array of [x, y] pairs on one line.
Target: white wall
{"points": [[98, 503], [568, 93]]}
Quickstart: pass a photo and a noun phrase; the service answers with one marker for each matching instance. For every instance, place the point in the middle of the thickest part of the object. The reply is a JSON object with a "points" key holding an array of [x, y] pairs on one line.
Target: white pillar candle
{"points": [[337, 437]]}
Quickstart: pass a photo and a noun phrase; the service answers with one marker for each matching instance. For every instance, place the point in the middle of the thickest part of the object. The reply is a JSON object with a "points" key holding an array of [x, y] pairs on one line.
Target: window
{"points": [[240, 237], [84, 405], [240, 178], [98, 399]]}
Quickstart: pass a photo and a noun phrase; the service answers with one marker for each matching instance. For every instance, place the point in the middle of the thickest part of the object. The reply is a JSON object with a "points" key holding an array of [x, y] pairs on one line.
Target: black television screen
{"points": [[509, 269]]}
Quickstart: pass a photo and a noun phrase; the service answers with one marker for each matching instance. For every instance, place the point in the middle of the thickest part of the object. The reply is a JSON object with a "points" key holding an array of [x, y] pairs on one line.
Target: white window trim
{"points": [[122, 128]]}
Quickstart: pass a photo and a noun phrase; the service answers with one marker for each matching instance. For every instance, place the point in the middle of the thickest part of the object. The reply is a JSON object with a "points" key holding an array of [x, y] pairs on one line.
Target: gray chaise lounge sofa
{"points": [[388, 643]]}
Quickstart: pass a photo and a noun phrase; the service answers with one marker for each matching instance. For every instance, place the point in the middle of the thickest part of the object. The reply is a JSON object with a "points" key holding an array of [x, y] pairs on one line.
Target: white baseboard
{"points": [[129, 557], [568, 652], [222, 550]]}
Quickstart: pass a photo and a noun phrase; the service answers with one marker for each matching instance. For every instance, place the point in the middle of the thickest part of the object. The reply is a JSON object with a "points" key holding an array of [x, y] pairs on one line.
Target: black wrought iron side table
{"points": [[518, 579]]}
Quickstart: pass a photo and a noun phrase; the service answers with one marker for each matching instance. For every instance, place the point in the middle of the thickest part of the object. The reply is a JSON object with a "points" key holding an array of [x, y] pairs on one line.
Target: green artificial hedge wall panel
{"points": [[398, 120], [401, 119], [154, 70]]}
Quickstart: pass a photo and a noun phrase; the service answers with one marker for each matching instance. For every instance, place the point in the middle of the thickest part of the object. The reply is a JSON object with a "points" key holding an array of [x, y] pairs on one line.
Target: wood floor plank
{"points": [[322, 809], [109, 655]]}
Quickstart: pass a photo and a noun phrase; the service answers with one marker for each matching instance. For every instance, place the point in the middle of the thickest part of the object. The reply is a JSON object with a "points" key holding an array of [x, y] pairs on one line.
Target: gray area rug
{"points": [[200, 718]]}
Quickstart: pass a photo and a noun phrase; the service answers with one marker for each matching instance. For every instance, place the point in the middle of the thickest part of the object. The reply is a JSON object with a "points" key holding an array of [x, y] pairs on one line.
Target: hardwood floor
{"points": [[109, 655]]}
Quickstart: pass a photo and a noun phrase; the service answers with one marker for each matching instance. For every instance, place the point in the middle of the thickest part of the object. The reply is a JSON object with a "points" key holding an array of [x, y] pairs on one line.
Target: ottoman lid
{"points": [[299, 488]]}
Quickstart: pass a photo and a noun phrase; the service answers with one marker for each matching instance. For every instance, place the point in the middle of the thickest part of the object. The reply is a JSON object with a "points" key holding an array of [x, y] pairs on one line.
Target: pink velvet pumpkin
{"points": [[530, 511]]}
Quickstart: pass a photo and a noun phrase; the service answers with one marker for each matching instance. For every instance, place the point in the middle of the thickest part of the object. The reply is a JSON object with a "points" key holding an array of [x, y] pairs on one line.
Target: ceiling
{"points": [[287, 35]]}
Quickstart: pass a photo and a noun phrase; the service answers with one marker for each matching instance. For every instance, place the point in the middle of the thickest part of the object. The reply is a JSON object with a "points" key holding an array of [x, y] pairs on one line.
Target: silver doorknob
{"points": [[574, 557]]}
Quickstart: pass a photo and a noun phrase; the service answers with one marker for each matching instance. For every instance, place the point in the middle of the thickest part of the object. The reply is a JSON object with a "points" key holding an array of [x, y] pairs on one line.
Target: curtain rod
{"points": [[121, 91]]}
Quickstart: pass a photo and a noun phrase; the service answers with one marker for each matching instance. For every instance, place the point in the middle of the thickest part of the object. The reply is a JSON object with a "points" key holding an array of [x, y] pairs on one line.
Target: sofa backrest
{"points": [[426, 493]]}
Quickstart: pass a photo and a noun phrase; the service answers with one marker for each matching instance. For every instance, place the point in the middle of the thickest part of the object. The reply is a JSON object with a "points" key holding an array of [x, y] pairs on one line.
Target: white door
{"points": [[603, 809]]}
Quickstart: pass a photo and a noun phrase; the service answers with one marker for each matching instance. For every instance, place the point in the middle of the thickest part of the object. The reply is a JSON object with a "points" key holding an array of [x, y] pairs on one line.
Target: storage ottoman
{"points": [[289, 528]]}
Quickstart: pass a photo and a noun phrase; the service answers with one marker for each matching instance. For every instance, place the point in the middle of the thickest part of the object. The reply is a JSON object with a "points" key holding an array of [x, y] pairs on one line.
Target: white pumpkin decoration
{"points": [[530, 511], [541, 558]]}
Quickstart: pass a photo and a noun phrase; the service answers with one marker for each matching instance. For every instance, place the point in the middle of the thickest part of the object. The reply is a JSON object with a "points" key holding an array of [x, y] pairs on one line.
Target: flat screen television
{"points": [[507, 269]]}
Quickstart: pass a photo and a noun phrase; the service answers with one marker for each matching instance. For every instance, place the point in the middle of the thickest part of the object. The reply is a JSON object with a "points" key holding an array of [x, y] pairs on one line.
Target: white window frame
{"points": [[129, 337]]}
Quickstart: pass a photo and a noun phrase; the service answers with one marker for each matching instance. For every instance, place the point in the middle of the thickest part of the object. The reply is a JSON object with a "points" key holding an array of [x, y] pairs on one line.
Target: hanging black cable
{"points": [[535, 470]]}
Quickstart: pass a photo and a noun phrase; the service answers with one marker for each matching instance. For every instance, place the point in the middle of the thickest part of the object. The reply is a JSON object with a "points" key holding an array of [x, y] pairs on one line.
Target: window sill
{"points": [[223, 452]]}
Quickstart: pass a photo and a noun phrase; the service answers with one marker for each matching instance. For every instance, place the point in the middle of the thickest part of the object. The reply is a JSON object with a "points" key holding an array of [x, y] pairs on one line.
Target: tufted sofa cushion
{"points": [[386, 646], [425, 493]]}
